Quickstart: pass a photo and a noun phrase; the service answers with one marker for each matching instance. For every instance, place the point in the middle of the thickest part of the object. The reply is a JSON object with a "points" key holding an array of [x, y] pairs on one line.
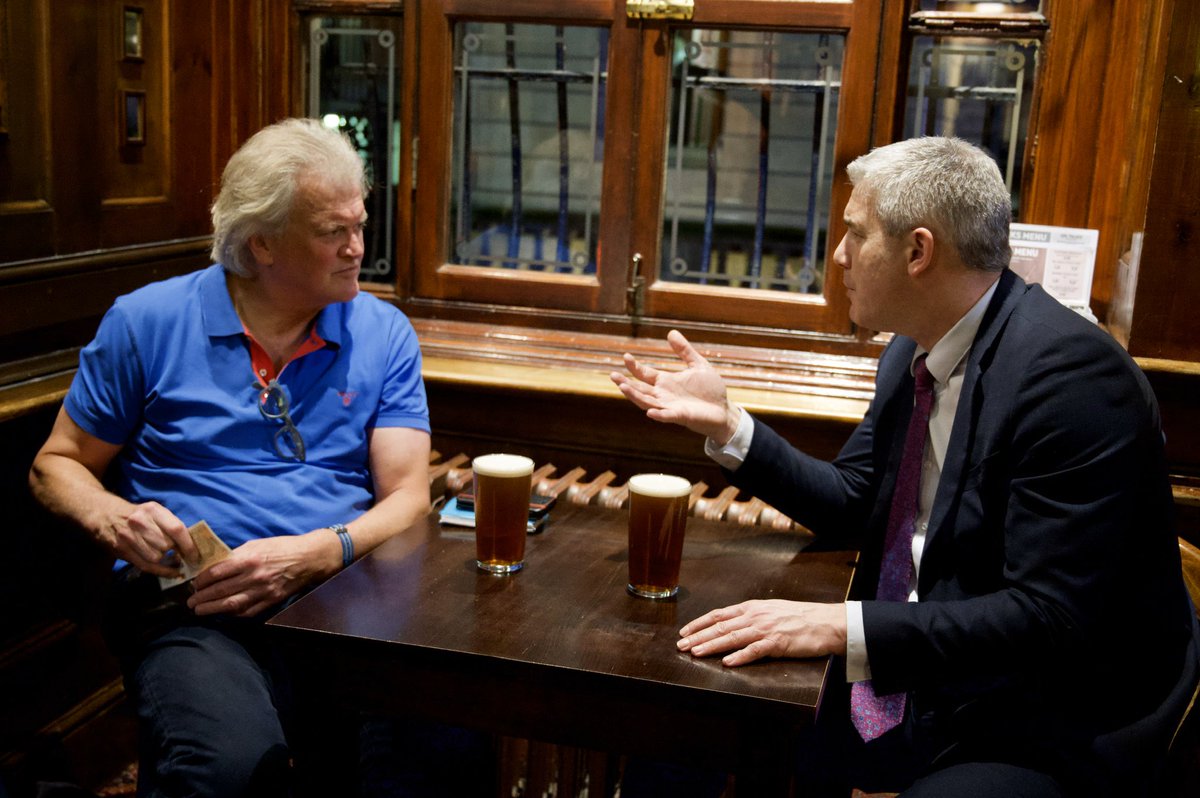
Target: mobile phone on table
{"points": [[539, 505]]}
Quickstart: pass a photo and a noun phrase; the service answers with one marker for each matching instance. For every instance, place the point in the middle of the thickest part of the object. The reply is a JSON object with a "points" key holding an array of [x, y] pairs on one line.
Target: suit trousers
{"points": [[832, 759]]}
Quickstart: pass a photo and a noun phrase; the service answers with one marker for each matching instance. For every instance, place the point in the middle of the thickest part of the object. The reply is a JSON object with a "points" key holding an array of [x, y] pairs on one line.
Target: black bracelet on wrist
{"points": [[346, 541]]}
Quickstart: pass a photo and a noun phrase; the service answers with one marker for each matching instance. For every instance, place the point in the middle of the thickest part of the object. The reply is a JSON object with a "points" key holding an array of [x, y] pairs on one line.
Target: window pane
{"points": [[352, 80], [528, 146], [749, 162], [980, 90]]}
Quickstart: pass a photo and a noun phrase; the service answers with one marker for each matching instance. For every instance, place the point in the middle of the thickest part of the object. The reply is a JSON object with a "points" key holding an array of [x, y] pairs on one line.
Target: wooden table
{"points": [[560, 652]]}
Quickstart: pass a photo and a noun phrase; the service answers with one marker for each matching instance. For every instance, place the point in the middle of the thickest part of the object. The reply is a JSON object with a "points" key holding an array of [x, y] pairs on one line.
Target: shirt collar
{"points": [[330, 322], [220, 318], [948, 352], [216, 306]]}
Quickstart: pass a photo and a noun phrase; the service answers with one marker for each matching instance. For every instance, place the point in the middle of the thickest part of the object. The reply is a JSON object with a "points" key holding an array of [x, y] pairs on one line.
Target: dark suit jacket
{"points": [[1053, 628]]}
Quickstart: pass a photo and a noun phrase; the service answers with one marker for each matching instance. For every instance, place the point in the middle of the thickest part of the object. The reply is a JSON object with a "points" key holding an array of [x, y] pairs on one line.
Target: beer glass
{"points": [[658, 507], [503, 483]]}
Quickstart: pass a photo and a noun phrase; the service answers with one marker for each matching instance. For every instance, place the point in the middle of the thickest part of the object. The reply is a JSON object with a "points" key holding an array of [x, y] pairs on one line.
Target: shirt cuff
{"points": [[734, 452], [858, 669]]}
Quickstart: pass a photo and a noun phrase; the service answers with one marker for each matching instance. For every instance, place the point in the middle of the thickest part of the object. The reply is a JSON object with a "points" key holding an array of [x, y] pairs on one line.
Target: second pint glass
{"points": [[503, 483], [658, 506]]}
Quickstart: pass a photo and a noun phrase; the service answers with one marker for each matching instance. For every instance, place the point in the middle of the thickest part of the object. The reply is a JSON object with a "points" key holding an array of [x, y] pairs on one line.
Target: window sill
{"points": [[772, 382]]}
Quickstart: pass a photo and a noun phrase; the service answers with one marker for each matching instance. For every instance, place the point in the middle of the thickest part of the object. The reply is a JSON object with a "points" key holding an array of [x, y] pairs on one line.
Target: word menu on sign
{"points": [[1061, 259]]}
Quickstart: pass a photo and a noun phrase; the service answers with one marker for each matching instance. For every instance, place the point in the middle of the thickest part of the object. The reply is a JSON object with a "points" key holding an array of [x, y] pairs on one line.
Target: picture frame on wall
{"points": [[132, 42], [133, 116]]}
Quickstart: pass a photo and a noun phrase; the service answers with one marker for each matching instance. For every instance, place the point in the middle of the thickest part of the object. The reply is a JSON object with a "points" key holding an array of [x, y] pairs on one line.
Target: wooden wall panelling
{"points": [[891, 73], [1168, 287], [255, 70], [1068, 125], [1129, 110], [1177, 387], [137, 188], [407, 86], [49, 630], [70, 185], [5, 48], [77, 109], [26, 228], [192, 111], [57, 304]]}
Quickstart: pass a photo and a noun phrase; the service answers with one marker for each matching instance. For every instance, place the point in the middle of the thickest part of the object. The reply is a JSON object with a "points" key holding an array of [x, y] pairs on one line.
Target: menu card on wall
{"points": [[1062, 259]]}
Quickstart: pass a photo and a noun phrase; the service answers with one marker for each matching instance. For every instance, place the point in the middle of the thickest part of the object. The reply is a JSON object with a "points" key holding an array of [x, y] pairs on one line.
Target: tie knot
{"points": [[921, 374]]}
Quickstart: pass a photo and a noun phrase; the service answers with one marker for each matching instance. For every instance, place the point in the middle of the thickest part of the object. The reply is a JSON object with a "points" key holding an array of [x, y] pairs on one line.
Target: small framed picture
{"points": [[133, 107], [131, 34]]}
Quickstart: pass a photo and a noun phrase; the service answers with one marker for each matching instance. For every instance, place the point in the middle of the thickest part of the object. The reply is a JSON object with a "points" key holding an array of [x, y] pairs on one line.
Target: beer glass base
{"points": [[652, 594], [499, 568]]}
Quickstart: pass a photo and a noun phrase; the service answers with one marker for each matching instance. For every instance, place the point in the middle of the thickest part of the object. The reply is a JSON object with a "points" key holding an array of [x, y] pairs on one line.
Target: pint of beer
{"points": [[658, 506], [502, 488]]}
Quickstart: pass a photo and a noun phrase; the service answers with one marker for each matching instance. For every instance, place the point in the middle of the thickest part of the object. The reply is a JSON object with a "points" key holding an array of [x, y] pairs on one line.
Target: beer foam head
{"points": [[663, 486], [502, 465]]}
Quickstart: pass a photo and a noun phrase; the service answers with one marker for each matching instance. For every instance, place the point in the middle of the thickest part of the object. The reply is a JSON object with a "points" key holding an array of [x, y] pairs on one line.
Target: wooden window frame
{"points": [[825, 313], [632, 179], [436, 282]]}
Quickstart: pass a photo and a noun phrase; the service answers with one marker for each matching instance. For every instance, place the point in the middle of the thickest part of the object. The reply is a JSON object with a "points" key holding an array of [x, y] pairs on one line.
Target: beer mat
{"points": [[211, 548], [454, 515]]}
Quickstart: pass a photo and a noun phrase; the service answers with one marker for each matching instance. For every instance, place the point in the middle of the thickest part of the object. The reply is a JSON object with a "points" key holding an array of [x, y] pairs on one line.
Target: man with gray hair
{"points": [[268, 398], [1020, 624]]}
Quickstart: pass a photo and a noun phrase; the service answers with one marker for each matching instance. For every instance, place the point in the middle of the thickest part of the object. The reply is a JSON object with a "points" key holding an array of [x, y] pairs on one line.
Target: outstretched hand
{"points": [[694, 398]]}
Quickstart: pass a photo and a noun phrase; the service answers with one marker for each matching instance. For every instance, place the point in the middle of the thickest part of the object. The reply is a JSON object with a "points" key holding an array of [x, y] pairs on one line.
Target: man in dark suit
{"points": [[1023, 627]]}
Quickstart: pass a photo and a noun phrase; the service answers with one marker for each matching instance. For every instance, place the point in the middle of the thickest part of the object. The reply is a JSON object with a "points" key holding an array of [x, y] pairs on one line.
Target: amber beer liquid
{"points": [[658, 505], [502, 488]]}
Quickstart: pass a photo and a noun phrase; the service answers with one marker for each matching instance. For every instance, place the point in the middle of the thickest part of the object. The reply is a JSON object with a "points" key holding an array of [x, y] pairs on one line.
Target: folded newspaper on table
{"points": [[212, 550]]}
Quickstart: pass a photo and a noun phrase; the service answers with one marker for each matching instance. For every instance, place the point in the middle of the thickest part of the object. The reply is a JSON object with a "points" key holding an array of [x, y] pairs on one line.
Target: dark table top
{"points": [[563, 631]]}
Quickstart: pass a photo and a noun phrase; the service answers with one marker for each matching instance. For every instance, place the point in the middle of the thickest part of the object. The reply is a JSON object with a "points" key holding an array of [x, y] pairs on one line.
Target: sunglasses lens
{"points": [[288, 443], [273, 404]]}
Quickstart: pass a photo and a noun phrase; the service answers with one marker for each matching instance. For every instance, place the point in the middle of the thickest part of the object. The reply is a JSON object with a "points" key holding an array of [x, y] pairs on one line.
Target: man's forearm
{"points": [[69, 490], [395, 513]]}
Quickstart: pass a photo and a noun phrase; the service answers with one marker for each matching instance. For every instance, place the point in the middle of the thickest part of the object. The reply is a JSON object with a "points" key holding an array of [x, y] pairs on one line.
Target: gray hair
{"points": [[944, 183], [258, 186]]}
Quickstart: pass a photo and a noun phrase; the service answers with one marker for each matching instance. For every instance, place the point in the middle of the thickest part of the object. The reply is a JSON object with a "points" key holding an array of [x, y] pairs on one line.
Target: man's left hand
{"points": [[258, 575], [767, 628]]}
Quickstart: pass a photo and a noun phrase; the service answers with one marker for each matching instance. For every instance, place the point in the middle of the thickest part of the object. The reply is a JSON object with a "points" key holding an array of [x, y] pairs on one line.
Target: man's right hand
{"points": [[143, 538], [694, 398]]}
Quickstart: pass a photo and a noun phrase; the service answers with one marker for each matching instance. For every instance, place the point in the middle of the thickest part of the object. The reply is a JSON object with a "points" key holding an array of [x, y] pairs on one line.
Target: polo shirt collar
{"points": [[331, 322], [220, 319], [216, 305]]}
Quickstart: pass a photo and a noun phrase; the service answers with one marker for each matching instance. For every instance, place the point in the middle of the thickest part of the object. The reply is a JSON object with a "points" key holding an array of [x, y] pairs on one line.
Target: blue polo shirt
{"points": [[169, 378]]}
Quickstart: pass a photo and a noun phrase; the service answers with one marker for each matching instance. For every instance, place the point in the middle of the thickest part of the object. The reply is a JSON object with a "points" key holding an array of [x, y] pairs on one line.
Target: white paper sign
{"points": [[1062, 259]]}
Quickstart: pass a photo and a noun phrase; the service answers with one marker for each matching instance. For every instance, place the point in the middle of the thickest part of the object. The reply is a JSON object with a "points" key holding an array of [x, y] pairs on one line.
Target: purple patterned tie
{"points": [[873, 715]]}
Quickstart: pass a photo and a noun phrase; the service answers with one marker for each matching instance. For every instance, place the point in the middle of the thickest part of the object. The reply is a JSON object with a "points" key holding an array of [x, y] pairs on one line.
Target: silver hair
{"points": [[944, 183], [258, 186]]}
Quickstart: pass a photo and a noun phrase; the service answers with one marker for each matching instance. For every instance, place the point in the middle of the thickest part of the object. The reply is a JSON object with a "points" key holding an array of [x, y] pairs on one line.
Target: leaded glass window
{"points": [[528, 147], [352, 87], [749, 164]]}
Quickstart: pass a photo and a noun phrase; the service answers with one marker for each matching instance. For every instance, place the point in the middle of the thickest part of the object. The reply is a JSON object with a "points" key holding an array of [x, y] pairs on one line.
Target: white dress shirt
{"points": [[947, 362]]}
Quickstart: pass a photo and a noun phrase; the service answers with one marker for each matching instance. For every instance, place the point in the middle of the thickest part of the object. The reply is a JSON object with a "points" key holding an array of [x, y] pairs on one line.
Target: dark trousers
{"points": [[209, 723], [832, 759], [210, 693], [220, 715]]}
